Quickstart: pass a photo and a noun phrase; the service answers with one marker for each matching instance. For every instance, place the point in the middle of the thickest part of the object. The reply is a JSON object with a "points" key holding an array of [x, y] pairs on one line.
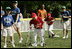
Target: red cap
{"points": [[33, 15], [49, 14]]}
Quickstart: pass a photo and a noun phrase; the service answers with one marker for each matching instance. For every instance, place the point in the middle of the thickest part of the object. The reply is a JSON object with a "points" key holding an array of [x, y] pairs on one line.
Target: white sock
{"points": [[51, 31]]}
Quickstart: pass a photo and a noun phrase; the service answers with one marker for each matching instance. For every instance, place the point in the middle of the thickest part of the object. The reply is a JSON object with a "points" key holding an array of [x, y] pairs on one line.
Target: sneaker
{"points": [[64, 37], [5, 46], [56, 36], [42, 44], [34, 44], [49, 36], [13, 45], [53, 35], [20, 41]]}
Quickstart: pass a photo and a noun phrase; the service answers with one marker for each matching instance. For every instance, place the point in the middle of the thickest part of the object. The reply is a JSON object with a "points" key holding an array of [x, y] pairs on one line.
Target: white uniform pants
{"points": [[41, 34]]}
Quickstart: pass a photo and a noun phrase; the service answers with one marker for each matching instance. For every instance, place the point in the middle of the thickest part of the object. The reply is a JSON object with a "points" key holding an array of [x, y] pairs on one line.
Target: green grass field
{"points": [[50, 42]]}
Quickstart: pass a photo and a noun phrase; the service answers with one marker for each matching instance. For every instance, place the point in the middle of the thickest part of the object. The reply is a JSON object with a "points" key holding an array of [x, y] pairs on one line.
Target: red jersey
{"points": [[37, 23], [48, 19]]}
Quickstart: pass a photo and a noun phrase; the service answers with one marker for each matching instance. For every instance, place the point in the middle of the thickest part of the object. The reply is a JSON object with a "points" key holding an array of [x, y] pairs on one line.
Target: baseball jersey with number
{"points": [[66, 13], [14, 13], [7, 20], [48, 19], [37, 23]]}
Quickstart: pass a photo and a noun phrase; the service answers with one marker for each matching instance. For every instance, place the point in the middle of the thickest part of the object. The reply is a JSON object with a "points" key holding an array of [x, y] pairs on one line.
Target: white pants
{"points": [[50, 28], [7, 30], [66, 24], [41, 34]]}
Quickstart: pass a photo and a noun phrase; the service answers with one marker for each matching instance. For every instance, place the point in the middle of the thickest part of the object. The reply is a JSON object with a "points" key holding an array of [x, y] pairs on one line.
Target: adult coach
{"points": [[65, 20], [16, 13], [42, 12]]}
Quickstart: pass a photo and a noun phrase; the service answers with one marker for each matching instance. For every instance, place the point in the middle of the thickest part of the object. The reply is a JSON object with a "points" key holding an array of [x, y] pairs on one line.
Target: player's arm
{"points": [[2, 23], [1, 26], [69, 15], [18, 15], [38, 13], [53, 19], [61, 16], [30, 24], [45, 14], [42, 21], [2, 13]]}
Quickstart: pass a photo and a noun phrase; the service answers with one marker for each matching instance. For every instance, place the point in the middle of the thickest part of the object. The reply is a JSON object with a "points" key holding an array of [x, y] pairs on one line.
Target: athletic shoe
{"points": [[53, 35], [13, 45], [66, 36], [34, 44], [5, 46], [56, 36], [49, 36], [20, 41], [42, 44]]}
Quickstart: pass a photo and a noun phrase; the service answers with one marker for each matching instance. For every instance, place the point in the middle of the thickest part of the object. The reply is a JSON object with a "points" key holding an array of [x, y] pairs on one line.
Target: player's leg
{"points": [[19, 33], [35, 37], [5, 37], [11, 36], [64, 30], [12, 41], [42, 37], [67, 25], [5, 41], [50, 30]]}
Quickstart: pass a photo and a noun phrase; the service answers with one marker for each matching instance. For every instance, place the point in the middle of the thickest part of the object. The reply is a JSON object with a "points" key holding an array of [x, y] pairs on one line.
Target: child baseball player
{"points": [[38, 24], [65, 21], [50, 21], [15, 14], [6, 25]]}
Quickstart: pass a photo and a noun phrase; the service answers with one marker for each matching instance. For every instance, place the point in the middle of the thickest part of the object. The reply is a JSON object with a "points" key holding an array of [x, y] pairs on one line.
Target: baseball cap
{"points": [[49, 14], [8, 8], [33, 15], [15, 2], [63, 7]]}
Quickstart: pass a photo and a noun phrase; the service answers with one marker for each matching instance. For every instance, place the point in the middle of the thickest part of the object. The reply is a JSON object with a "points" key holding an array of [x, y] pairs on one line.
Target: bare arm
{"points": [[45, 14], [1, 26], [17, 18], [38, 13]]}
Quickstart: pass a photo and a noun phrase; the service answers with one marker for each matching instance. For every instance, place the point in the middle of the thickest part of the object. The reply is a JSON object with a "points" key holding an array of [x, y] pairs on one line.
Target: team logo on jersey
{"points": [[13, 12], [7, 20]]}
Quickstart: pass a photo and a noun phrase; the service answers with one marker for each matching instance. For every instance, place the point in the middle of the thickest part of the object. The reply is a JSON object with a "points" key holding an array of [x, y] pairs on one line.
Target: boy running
{"points": [[50, 20]]}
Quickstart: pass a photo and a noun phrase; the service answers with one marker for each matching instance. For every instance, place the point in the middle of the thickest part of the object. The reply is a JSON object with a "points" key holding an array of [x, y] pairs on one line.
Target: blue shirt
{"points": [[2, 12], [7, 20], [14, 13], [66, 13]]}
